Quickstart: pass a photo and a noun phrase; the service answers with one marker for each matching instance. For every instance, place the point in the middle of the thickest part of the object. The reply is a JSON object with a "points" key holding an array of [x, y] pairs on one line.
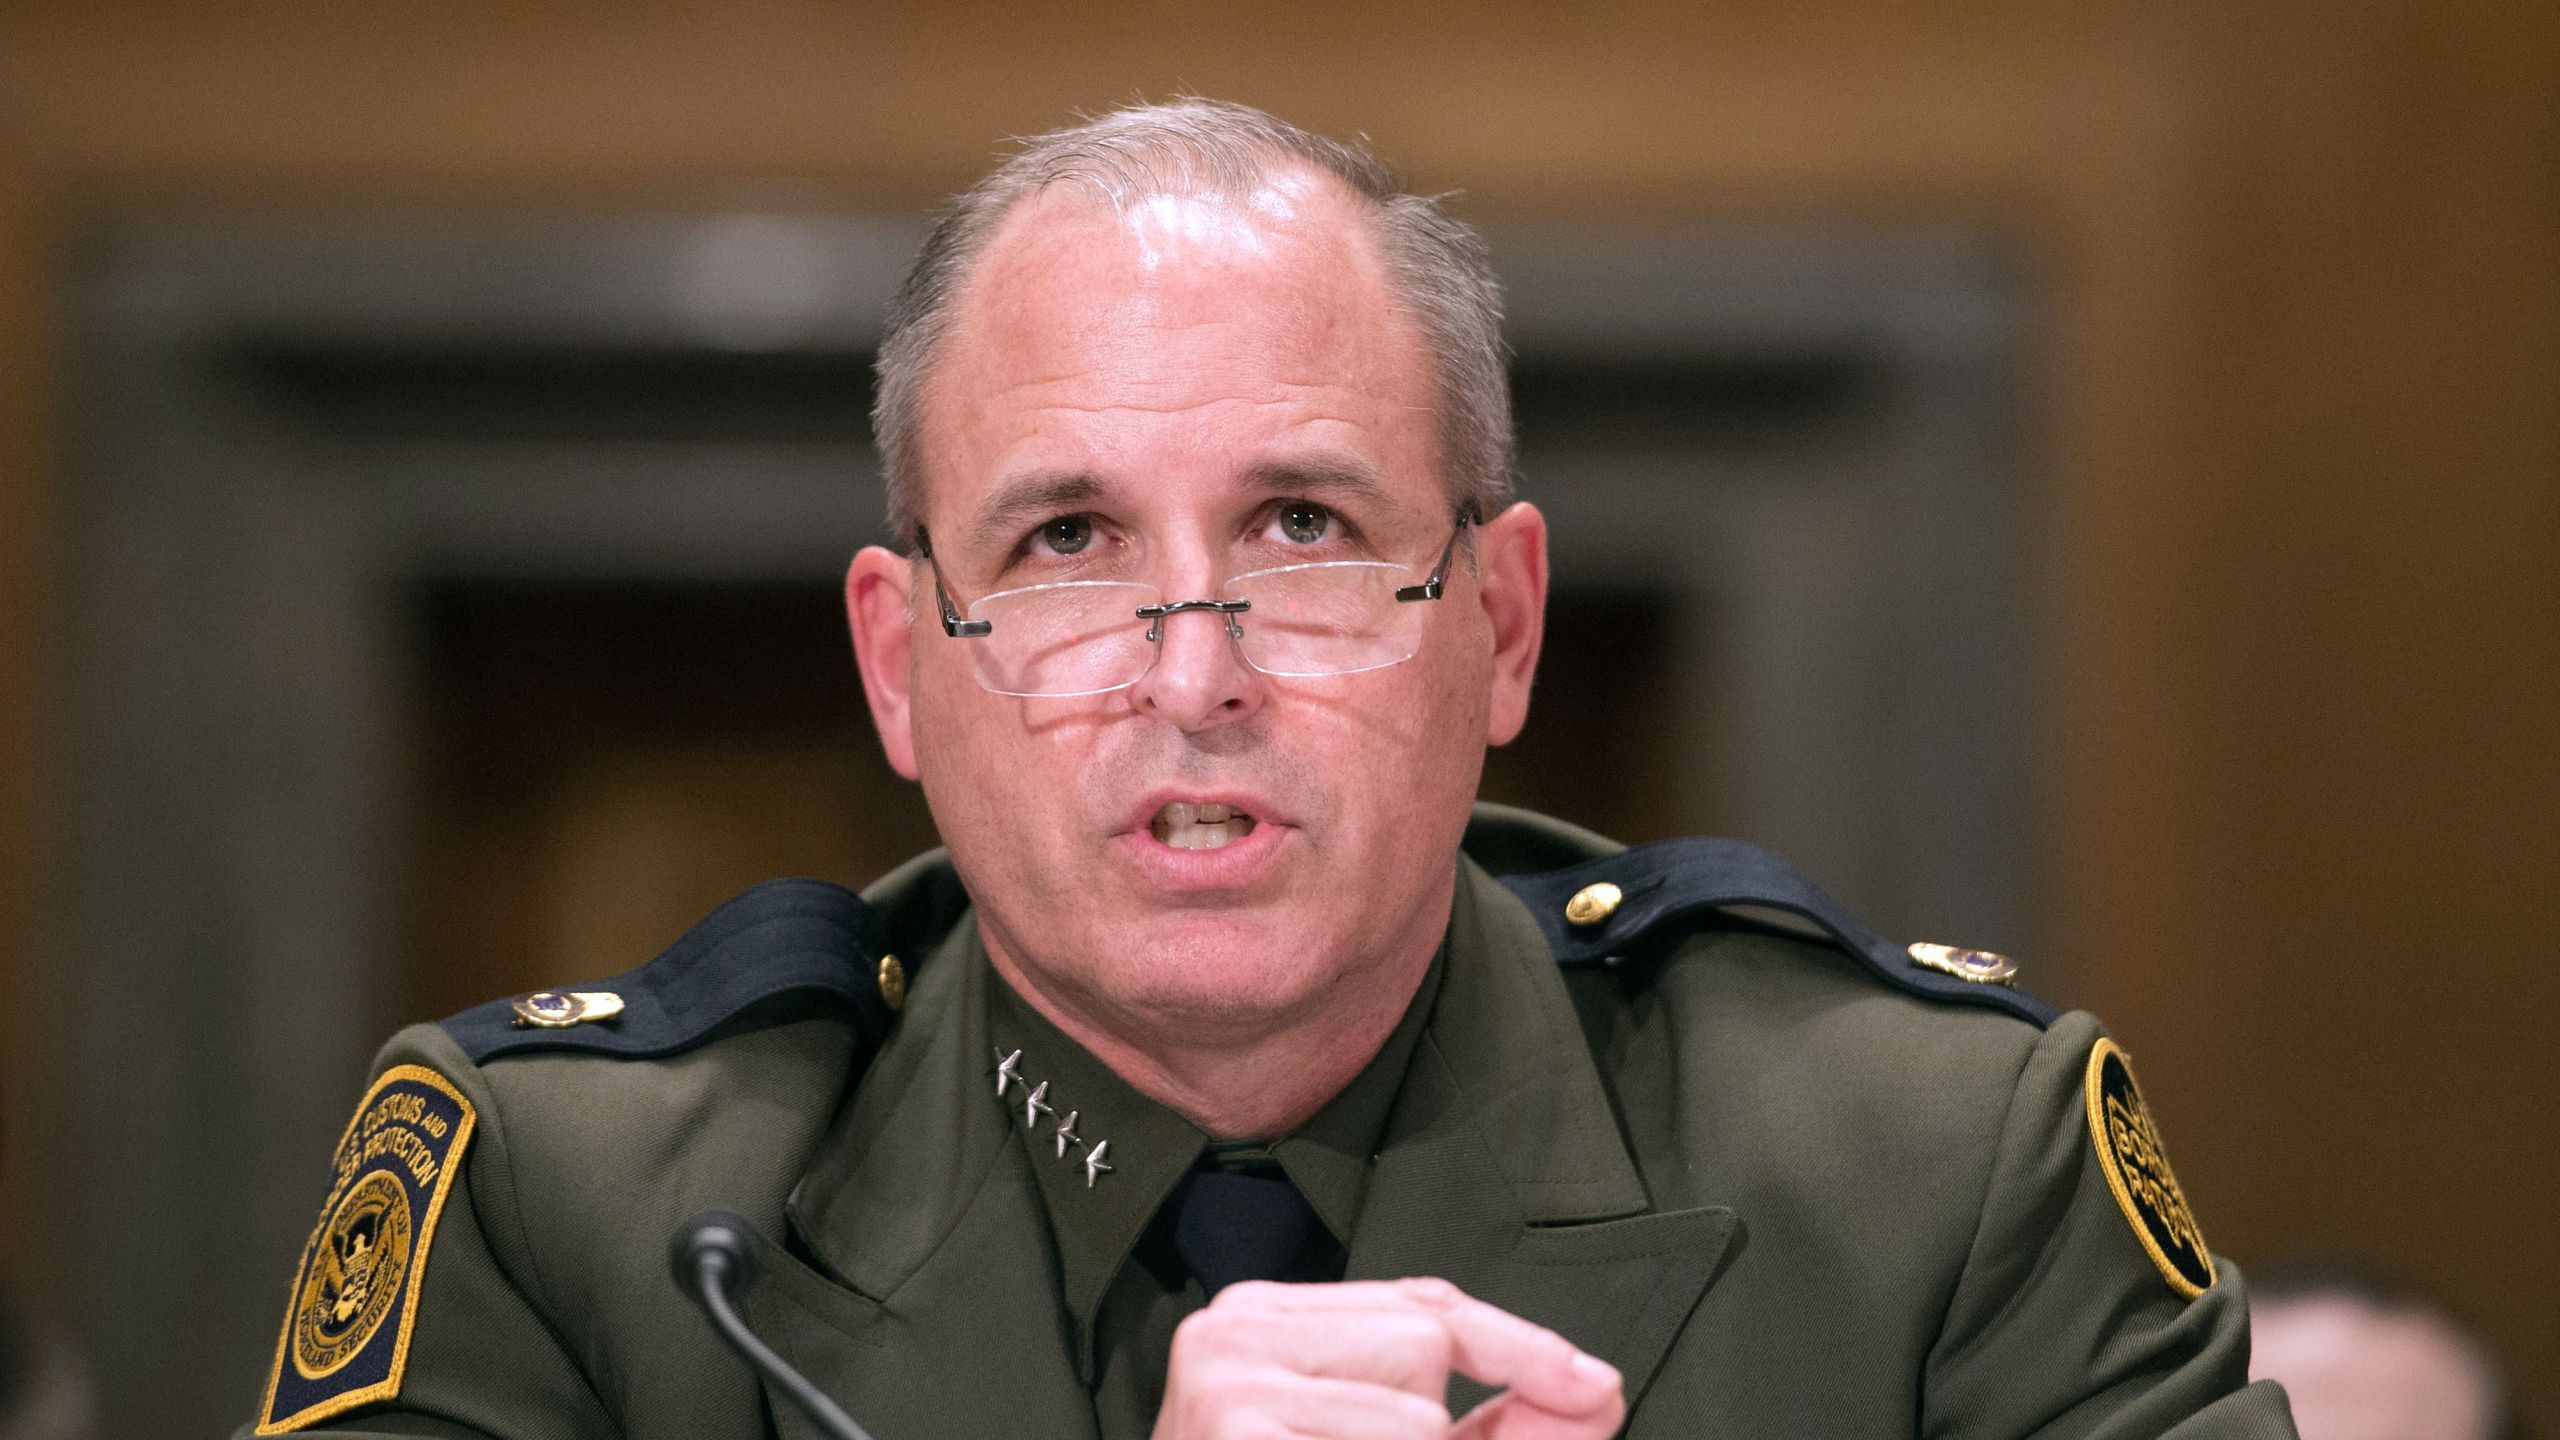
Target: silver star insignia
{"points": [[1036, 1104], [1067, 1133], [1004, 1070], [1093, 1163]]}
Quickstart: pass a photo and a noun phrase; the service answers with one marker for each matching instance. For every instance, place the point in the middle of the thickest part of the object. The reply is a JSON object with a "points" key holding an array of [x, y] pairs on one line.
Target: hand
{"points": [[1370, 1360]]}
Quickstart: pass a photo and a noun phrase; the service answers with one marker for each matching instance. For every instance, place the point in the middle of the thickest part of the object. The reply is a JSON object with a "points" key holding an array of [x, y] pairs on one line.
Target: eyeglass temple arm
{"points": [[1430, 589], [952, 624]]}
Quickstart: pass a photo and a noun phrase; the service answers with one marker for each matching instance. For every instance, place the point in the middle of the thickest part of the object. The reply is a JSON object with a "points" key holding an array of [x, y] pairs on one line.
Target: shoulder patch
{"points": [[785, 938], [1612, 905], [2137, 1170], [346, 1330]]}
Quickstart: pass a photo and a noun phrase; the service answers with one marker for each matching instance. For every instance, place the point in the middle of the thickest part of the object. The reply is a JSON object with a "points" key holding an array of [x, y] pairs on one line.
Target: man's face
{"points": [[1176, 394], [2355, 1371]]}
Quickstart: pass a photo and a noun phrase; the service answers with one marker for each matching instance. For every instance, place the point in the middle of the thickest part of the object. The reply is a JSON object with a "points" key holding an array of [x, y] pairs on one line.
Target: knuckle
{"points": [[1417, 1415], [1218, 1400], [1248, 1424], [1203, 1335], [1430, 1290], [1204, 1338], [1421, 1337], [1551, 1349], [1248, 1295]]}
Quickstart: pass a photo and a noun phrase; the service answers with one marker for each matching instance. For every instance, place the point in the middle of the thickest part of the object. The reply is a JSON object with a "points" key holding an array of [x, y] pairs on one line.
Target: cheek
{"points": [[1000, 774], [967, 748], [1456, 702], [1409, 756], [1454, 718]]}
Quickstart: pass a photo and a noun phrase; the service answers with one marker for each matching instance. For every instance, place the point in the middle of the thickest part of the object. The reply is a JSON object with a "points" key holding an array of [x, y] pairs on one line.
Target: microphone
{"points": [[712, 1254]]}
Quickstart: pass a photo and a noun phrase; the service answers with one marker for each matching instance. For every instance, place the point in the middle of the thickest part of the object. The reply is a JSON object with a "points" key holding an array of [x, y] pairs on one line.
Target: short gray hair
{"points": [[1436, 264]]}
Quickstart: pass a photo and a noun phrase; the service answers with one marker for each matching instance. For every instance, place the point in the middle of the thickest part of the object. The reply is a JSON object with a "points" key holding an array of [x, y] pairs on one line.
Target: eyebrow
{"points": [[1037, 495], [1323, 477], [1021, 499]]}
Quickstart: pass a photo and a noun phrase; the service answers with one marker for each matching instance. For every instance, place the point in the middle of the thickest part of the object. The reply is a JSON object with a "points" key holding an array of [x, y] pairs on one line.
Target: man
{"points": [[1213, 600], [2365, 1358]]}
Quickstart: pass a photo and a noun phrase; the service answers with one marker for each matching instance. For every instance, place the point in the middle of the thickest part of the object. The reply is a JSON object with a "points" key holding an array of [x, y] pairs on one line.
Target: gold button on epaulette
{"points": [[560, 1009], [893, 982], [1593, 903], [1983, 967]]}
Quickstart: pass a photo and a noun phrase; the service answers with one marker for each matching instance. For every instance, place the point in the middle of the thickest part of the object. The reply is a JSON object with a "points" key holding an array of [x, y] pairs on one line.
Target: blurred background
{"points": [[2082, 480]]}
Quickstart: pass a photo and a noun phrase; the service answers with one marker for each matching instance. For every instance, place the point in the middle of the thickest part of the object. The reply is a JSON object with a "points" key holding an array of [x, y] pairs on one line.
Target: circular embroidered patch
{"points": [[2128, 1146], [355, 1274]]}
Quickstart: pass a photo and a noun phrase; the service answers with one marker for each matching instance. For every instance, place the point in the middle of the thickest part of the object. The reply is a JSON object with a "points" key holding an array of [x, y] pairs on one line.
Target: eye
{"points": [[1304, 522], [1067, 534]]}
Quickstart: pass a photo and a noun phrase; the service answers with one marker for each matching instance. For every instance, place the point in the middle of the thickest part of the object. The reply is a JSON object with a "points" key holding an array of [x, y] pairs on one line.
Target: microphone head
{"points": [[716, 1236]]}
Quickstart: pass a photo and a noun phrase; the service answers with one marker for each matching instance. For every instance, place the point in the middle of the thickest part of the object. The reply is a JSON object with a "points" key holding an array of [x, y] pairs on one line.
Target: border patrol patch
{"points": [[346, 1333], [2128, 1146]]}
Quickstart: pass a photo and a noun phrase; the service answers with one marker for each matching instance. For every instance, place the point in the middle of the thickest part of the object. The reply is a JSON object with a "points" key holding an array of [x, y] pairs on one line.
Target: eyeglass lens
{"points": [[1085, 637]]}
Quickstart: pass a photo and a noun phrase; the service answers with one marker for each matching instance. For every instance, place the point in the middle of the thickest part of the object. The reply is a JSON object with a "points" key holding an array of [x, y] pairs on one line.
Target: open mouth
{"points": [[1186, 826]]}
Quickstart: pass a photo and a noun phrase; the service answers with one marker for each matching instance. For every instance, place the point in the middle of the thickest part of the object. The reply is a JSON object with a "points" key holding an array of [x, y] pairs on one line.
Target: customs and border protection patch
{"points": [[2128, 1146], [346, 1335]]}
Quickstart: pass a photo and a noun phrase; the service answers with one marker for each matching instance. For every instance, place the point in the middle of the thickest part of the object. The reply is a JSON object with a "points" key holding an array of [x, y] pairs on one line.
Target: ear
{"points": [[1511, 571], [878, 593]]}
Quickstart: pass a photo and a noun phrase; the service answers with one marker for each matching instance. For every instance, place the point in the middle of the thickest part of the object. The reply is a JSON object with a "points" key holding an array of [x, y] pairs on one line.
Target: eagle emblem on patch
{"points": [[2137, 1170], [346, 1333]]}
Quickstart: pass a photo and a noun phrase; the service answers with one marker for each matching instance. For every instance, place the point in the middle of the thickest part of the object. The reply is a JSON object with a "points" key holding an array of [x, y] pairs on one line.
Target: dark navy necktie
{"points": [[1249, 1223]]}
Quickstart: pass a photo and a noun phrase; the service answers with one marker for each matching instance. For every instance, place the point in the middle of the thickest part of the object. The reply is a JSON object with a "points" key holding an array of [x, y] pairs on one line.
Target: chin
{"points": [[1220, 980]]}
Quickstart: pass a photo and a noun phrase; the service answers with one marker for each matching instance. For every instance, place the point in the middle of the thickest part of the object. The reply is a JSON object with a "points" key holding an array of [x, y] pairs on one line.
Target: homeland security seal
{"points": [[346, 1337]]}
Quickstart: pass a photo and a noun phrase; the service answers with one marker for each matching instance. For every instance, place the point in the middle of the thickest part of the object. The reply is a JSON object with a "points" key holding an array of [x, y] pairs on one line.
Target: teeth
{"points": [[1186, 826]]}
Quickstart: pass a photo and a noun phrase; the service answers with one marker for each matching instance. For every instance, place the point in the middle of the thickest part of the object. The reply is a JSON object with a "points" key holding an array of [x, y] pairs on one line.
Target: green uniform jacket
{"points": [[1785, 1192]]}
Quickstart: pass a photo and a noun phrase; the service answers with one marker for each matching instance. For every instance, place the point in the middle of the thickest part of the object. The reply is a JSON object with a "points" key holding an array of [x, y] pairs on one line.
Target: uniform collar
{"points": [[1149, 1148], [1329, 1158], [1496, 1049], [1501, 1167]]}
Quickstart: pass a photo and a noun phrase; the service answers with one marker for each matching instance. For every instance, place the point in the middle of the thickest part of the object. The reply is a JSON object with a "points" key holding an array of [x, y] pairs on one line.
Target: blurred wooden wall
{"points": [[25, 553], [2301, 559]]}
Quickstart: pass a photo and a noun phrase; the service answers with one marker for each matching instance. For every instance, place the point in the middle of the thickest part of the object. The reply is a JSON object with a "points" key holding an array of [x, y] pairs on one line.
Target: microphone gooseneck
{"points": [[713, 1253]]}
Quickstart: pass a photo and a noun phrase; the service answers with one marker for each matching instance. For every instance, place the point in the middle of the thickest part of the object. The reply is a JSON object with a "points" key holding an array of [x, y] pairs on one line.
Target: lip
{"points": [[1141, 817], [1237, 865]]}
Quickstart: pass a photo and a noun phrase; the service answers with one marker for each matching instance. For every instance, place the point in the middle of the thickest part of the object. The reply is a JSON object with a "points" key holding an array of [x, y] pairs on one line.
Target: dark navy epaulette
{"points": [[1618, 903], [796, 939]]}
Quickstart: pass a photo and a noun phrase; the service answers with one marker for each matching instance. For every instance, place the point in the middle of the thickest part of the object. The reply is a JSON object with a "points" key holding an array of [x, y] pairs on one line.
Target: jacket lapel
{"points": [[919, 1289], [1503, 1171]]}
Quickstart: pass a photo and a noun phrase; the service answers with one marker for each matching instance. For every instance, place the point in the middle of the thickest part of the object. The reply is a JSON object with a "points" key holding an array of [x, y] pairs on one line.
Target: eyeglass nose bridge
{"points": [[1154, 615]]}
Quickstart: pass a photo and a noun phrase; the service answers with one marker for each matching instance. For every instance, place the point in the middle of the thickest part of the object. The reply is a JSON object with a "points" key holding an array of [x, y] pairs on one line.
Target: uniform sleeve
{"points": [[2064, 1324], [471, 1349]]}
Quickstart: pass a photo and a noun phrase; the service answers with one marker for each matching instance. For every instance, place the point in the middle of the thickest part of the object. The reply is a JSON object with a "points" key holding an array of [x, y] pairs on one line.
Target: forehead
{"points": [[1222, 324]]}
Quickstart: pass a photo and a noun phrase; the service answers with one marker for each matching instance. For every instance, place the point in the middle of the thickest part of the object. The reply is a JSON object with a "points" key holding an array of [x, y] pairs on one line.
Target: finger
{"points": [[1509, 1417], [1538, 1366], [1340, 1409], [1332, 1297], [1405, 1346]]}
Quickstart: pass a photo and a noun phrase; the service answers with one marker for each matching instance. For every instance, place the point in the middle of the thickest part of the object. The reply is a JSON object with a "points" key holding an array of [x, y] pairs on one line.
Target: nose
{"points": [[1198, 679]]}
